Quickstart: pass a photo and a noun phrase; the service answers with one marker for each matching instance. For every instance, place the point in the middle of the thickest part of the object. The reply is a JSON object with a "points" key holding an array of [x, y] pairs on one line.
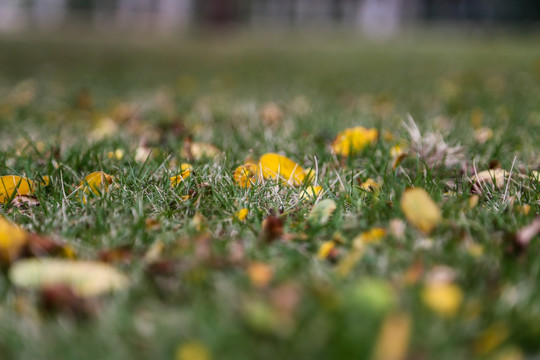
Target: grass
{"points": [[54, 95]]}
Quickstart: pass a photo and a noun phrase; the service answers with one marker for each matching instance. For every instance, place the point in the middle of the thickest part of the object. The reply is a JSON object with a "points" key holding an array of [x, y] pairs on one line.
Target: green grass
{"points": [[54, 94]]}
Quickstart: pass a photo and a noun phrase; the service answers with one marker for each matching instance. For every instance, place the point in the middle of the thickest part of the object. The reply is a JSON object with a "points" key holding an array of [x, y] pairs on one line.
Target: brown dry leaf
{"points": [[24, 201], [494, 178], [199, 150], [115, 255], [526, 234], [85, 278], [272, 228], [393, 340], [12, 241], [62, 299], [12, 185], [420, 210], [271, 114]]}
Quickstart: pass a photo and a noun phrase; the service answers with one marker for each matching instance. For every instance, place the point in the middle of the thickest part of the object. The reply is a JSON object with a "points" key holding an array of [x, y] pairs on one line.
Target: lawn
{"points": [[342, 257]]}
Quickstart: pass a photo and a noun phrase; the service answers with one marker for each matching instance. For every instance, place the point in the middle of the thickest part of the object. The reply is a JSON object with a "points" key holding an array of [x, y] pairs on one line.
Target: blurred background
{"points": [[371, 17]]}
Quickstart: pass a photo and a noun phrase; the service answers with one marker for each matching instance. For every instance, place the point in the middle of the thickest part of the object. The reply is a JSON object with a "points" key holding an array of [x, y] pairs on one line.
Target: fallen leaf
{"points": [[490, 338], [246, 175], [311, 192], [420, 210], [24, 201], [370, 185], [272, 228], [185, 172], [527, 233], [12, 241], [271, 114], [443, 298], [12, 185], [193, 350], [62, 299], [85, 278], [199, 150], [321, 212], [241, 214], [393, 339], [96, 182], [494, 178], [353, 140], [275, 166], [325, 249], [260, 274], [371, 236], [115, 255]]}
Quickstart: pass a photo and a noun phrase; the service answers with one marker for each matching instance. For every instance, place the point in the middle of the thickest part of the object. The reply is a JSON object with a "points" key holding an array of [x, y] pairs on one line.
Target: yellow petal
{"points": [[354, 140], [275, 166], [11, 185], [85, 278], [241, 214], [420, 210], [246, 175], [12, 240], [185, 172], [442, 298]]}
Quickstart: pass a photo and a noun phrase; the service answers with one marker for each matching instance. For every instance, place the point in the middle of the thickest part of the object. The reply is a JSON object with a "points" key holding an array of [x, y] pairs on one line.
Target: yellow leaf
{"points": [[45, 180], [371, 236], [442, 298], [96, 182], [393, 339], [275, 166], [311, 192], [85, 278], [11, 185], [193, 350], [353, 140], [370, 185], [242, 214], [398, 154], [420, 210], [12, 241], [325, 249], [246, 175], [185, 172]]}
